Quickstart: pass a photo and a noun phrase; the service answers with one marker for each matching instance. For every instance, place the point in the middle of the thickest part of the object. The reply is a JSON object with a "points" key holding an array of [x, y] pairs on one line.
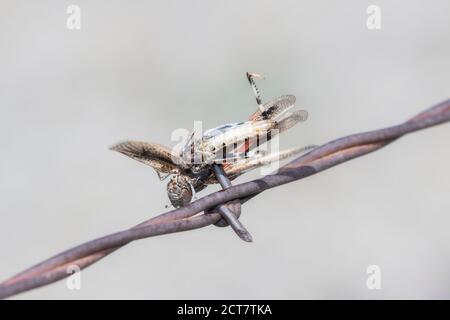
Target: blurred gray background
{"points": [[139, 69]]}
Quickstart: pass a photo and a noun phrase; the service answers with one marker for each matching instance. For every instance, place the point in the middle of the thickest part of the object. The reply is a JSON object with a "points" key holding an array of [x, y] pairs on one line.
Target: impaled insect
{"points": [[191, 169]]}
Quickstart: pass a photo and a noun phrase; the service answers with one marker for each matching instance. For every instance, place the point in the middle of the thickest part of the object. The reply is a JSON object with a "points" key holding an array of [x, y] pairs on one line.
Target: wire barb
{"points": [[186, 218], [230, 217]]}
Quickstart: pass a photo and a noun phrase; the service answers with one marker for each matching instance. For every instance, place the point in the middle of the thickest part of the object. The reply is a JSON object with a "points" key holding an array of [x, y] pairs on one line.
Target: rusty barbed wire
{"points": [[188, 218]]}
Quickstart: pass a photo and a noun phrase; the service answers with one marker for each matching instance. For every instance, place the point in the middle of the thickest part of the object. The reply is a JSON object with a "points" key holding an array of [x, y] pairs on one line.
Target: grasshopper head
{"points": [[179, 191]]}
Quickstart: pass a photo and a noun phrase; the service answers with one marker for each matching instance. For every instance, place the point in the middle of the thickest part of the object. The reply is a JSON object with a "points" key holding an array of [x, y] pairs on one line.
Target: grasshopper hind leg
{"points": [[251, 79], [263, 160]]}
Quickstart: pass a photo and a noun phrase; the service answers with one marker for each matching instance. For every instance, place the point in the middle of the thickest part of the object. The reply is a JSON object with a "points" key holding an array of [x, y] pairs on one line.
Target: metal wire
{"points": [[229, 216], [188, 218]]}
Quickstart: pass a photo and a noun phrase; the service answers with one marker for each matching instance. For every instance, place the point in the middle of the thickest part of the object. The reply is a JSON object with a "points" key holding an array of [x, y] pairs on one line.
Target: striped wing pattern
{"points": [[155, 155]]}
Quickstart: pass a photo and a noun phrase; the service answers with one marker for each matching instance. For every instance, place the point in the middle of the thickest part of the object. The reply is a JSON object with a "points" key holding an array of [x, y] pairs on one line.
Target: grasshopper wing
{"points": [[274, 108], [280, 126], [159, 157], [291, 120]]}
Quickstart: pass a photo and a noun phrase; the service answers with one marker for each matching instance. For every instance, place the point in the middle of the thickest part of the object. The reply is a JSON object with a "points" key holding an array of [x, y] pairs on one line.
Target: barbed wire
{"points": [[189, 217]]}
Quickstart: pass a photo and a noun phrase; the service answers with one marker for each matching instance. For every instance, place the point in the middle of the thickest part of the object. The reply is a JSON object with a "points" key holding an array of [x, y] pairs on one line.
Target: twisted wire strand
{"points": [[189, 217]]}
